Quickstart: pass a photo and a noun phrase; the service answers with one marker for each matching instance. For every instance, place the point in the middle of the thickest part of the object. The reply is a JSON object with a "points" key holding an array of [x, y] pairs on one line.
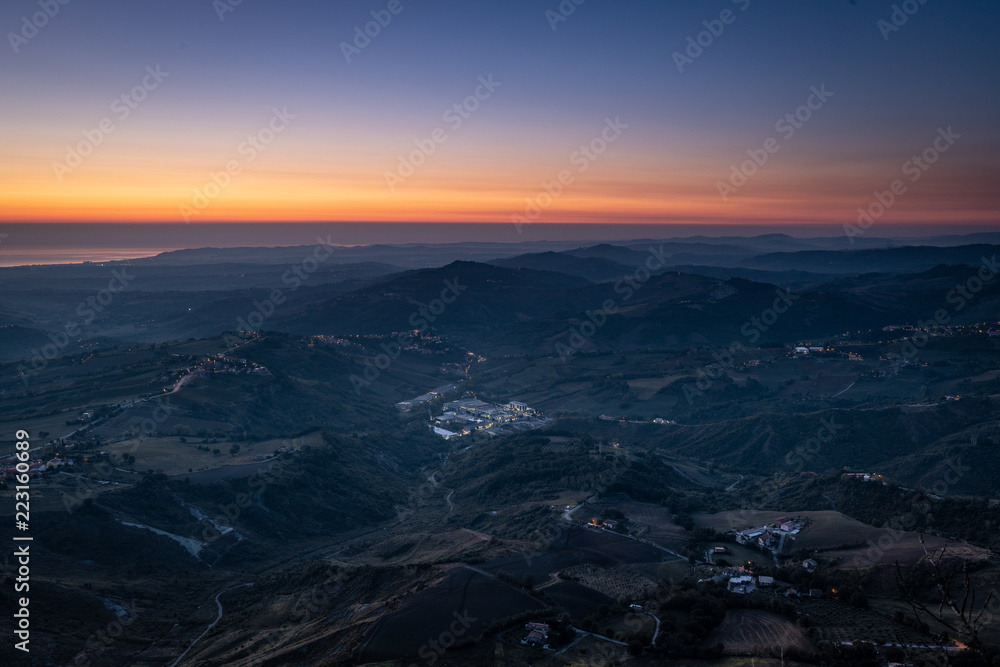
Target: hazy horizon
{"points": [[35, 243]]}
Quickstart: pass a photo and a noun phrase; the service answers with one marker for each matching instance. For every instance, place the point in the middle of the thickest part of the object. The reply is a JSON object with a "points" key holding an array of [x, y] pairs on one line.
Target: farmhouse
{"points": [[538, 634], [772, 535]]}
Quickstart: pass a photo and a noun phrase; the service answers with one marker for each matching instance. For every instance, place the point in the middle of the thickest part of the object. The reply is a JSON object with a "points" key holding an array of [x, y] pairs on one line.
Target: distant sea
{"points": [[70, 243]]}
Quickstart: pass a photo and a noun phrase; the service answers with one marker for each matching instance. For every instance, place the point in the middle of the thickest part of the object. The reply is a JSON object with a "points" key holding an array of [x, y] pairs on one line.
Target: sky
{"points": [[645, 111]]}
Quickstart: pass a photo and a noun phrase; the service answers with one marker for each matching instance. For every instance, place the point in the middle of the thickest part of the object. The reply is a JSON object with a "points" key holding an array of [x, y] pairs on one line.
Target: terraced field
{"points": [[750, 631]]}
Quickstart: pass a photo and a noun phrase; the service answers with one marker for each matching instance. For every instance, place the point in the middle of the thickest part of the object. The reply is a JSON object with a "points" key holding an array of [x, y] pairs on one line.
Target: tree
{"points": [[234, 450], [955, 592]]}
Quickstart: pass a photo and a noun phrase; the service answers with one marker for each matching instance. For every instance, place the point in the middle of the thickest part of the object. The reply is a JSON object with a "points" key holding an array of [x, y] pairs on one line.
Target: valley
{"points": [[680, 491]]}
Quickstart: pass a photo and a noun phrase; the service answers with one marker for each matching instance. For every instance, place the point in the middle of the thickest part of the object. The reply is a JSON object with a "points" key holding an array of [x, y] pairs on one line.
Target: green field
{"points": [[172, 457]]}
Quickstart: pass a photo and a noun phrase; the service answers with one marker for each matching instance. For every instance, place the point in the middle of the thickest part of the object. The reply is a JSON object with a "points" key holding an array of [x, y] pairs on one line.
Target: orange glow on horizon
{"points": [[625, 189]]}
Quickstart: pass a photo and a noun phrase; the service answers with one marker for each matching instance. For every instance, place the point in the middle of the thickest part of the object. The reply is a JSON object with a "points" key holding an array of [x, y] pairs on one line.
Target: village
{"points": [[770, 536]]}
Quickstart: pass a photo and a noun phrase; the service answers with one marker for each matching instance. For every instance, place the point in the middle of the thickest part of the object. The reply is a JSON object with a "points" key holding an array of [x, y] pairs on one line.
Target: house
{"points": [[610, 524], [765, 582], [809, 564], [815, 593], [720, 550], [635, 607], [538, 633]]}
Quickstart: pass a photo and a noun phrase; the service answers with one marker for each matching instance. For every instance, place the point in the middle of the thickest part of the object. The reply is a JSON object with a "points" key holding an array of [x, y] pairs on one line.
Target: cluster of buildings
{"points": [[748, 583], [610, 524], [741, 581], [8, 470], [771, 536], [866, 477], [220, 363], [470, 414]]}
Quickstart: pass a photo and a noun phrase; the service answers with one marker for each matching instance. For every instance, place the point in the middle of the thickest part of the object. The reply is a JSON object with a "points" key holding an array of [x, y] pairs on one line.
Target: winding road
{"points": [[212, 625], [568, 514]]}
